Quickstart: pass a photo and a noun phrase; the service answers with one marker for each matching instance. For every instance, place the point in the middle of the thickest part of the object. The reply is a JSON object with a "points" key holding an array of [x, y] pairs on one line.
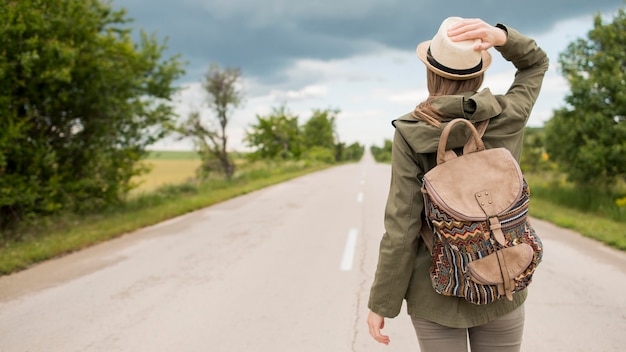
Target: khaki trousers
{"points": [[501, 335]]}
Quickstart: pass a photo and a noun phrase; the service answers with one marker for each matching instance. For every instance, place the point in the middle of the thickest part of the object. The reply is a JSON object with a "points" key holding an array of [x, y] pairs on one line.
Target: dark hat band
{"points": [[453, 71]]}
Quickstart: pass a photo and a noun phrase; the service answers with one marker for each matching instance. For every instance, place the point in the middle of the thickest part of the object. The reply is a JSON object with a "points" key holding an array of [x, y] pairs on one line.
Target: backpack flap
{"points": [[491, 171]]}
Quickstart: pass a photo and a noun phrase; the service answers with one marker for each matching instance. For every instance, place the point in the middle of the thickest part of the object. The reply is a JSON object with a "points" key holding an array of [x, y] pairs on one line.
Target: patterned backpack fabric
{"points": [[483, 246]]}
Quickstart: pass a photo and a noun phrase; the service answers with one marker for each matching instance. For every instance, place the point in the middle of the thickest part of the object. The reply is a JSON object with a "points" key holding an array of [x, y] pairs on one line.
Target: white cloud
{"points": [[314, 92]]}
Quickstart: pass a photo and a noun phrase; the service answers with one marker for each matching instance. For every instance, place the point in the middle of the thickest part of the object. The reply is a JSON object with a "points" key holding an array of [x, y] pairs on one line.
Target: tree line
{"points": [[80, 102], [277, 136]]}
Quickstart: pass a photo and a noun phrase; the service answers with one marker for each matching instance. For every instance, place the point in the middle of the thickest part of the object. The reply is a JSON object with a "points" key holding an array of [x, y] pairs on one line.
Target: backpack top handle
{"points": [[473, 144]]}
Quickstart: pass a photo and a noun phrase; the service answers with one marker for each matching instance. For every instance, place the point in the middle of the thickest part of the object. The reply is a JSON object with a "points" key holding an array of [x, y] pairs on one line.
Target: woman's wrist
{"points": [[505, 37]]}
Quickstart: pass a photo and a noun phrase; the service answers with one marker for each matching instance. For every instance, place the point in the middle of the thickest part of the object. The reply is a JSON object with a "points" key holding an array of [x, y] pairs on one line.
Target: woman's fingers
{"points": [[467, 29], [472, 29], [375, 322]]}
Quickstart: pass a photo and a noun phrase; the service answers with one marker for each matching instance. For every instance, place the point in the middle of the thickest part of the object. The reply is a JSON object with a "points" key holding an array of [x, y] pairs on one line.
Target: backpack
{"points": [[482, 244]]}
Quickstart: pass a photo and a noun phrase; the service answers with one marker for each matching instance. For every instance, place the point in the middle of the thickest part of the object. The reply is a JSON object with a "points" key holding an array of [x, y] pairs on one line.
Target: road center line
{"points": [[348, 251]]}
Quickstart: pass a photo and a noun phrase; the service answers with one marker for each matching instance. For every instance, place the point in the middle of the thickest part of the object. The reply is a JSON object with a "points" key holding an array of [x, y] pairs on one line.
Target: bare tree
{"points": [[224, 94]]}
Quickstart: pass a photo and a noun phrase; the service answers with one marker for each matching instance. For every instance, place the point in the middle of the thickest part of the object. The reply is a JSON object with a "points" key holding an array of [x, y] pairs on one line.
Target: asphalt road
{"points": [[287, 268]]}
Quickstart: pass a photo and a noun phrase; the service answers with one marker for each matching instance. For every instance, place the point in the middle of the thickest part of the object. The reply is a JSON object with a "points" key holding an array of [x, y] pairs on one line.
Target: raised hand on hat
{"points": [[474, 28]]}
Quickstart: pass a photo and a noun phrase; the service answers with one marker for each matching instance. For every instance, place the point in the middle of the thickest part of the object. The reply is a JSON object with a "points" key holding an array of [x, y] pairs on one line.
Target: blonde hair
{"points": [[438, 86]]}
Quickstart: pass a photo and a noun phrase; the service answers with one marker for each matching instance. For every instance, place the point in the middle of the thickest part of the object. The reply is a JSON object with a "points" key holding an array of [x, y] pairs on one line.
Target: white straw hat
{"points": [[453, 60]]}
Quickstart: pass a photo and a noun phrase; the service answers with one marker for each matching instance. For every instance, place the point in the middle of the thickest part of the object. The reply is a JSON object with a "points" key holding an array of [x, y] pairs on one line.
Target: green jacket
{"points": [[404, 261]]}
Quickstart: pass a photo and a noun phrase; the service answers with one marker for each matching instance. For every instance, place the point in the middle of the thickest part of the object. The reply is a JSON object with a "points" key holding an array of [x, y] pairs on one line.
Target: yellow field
{"points": [[166, 172]]}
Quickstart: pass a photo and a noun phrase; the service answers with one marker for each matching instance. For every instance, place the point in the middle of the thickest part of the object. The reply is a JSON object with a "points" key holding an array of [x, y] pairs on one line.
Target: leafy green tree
{"points": [[79, 103], [322, 154], [224, 94], [382, 154], [340, 151], [320, 130], [587, 138], [275, 135], [354, 152]]}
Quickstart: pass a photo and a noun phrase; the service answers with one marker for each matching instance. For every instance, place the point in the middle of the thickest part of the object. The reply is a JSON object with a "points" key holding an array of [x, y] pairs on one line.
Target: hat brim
{"points": [[422, 53]]}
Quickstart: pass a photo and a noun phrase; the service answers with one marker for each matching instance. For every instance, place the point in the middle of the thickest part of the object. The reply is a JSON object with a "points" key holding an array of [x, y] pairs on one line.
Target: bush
{"points": [[79, 103], [382, 154], [321, 154]]}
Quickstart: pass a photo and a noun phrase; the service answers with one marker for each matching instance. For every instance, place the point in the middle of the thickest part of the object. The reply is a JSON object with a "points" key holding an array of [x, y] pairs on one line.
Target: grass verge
{"points": [[592, 212], [70, 233], [611, 232]]}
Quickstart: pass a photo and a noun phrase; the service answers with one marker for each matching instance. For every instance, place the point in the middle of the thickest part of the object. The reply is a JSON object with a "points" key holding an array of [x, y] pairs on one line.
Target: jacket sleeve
{"points": [[531, 63], [398, 246]]}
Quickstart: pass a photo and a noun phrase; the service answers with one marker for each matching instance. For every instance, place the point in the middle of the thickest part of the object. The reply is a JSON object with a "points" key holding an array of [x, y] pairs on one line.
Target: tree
{"points": [[340, 151], [224, 93], [354, 152], [319, 130], [79, 103], [275, 135], [587, 138], [382, 154]]}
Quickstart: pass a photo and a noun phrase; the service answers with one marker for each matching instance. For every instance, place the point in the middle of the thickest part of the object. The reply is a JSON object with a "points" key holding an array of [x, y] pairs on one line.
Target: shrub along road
{"points": [[287, 268]]}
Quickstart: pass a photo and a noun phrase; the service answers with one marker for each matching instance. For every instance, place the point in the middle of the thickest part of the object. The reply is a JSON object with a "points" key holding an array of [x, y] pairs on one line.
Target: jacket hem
{"points": [[465, 322]]}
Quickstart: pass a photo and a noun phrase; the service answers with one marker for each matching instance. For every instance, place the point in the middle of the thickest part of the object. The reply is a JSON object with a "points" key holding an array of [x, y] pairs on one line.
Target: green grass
{"points": [[588, 211], [592, 200], [611, 232], [69, 233]]}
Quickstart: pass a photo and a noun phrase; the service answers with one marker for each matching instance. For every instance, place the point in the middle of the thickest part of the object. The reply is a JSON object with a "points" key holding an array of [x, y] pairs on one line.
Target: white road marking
{"points": [[348, 251], [359, 197]]}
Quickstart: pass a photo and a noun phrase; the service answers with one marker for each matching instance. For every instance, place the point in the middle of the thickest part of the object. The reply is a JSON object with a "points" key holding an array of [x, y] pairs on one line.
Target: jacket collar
{"points": [[471, 106], [475, 107]]}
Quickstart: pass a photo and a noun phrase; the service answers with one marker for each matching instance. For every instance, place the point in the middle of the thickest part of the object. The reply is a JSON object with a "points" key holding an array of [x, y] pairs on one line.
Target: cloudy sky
{"points": [[357, 56]]}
